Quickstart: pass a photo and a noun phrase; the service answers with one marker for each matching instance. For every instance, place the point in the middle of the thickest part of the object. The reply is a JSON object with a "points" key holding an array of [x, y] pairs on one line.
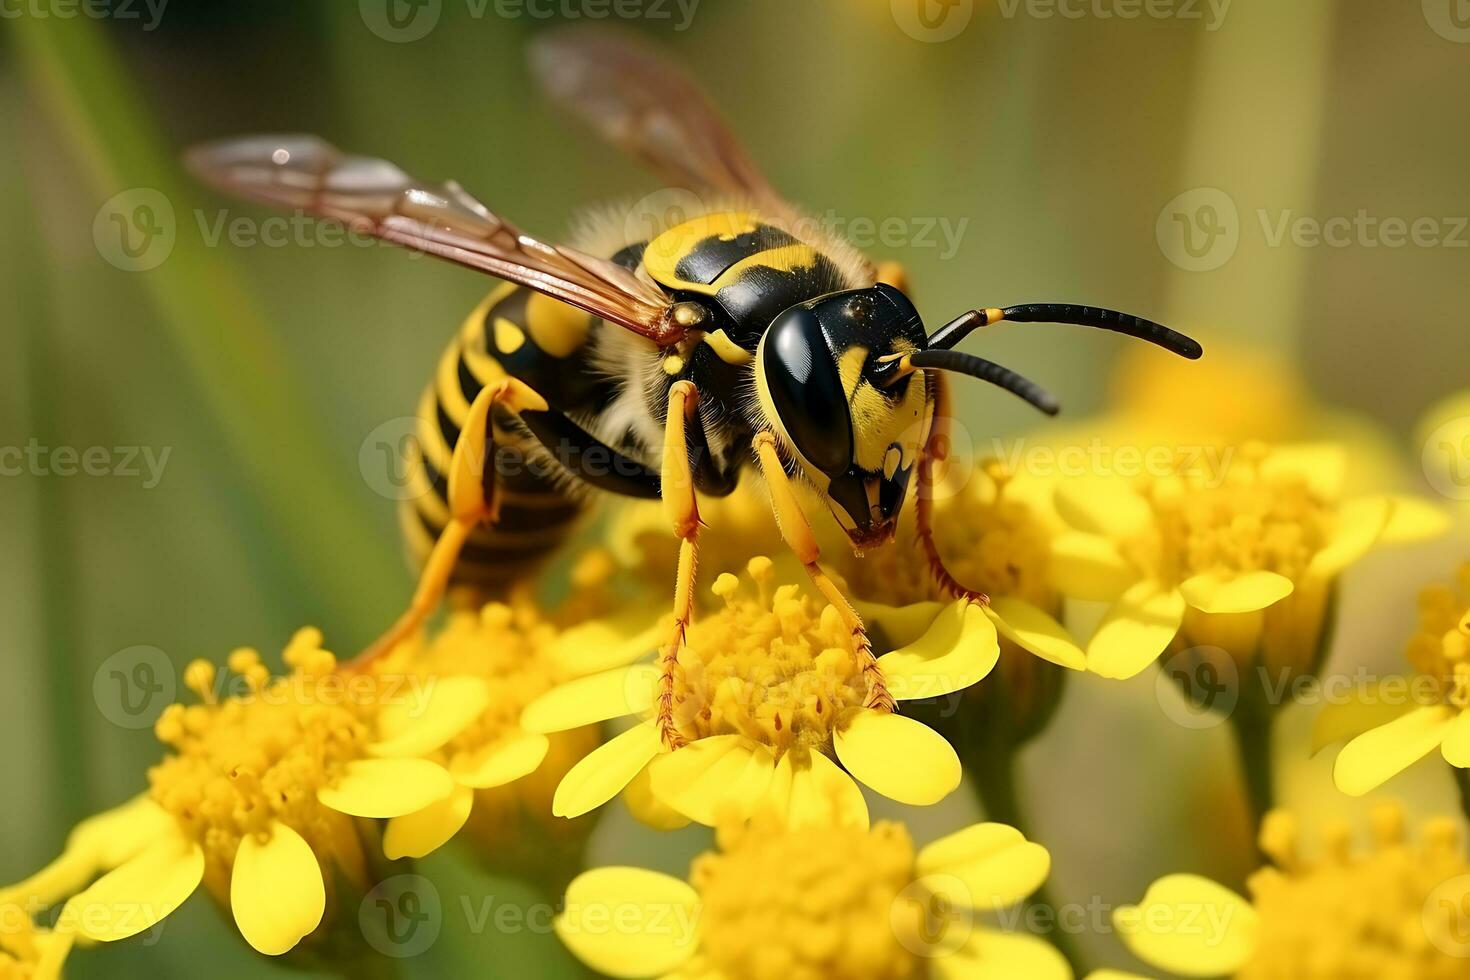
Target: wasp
{"points": [[738, 338]]}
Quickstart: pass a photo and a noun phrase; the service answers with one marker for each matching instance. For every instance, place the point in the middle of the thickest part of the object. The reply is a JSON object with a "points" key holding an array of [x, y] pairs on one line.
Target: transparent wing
{"points": [[375, 197], [635, 99]]}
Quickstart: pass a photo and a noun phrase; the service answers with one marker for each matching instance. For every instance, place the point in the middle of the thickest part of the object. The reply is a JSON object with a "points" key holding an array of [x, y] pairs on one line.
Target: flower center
{"points": [[807, 904], [1356, 917], [1252, 520], [256, 749], [1441, 646], [770, 667]]}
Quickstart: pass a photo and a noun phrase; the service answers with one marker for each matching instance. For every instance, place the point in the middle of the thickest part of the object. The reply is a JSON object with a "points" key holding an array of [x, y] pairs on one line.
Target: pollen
{"points": [[1253, 519], [1392, 910], [256, 749], [1440, 647], [991, 538], [768, 665], [805, 905]]}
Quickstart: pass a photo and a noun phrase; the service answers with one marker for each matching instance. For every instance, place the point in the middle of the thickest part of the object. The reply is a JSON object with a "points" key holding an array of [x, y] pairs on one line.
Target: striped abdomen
{"points": [[513, 332]]}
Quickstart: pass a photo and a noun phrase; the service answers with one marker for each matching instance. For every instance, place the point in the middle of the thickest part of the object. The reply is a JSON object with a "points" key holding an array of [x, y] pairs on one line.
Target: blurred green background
{"points": [[1169, 165]]}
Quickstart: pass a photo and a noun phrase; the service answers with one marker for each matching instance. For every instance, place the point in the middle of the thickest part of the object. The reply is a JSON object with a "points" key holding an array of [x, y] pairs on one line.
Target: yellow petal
{"points": [[1190, 926], [605, 771], [1114, 975], [1089, 566], [707, 776], [615, 641], [424, 721], [1036, 632], [505, 761], [276, 890], [1364, 709], [956, 651], [1102, 506], [1456, 747], [899, 757], [99, 843], [1359, 525], [986, 866], [387, 787], [1135, 631], [1226, 594], [1323, 465], [140, 892], [1414, 519], [900, 625], [647, 808], [991, 954], [588, 700], [54, 949], [1375, 756], [629, 922], [424, 831], [812, 791]]}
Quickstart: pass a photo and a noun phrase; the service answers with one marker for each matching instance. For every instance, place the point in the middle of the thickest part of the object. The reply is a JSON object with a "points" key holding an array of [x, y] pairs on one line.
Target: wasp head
{"points": [[817, 376]]}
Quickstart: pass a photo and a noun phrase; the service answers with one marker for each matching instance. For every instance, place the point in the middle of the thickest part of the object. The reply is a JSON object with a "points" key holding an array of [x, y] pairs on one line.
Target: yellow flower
{"points": [[1395, 723], [1244, 560], [774, 903], [28, 952], [504, 775], [769, 690], [256, 801], [1393, 913]]}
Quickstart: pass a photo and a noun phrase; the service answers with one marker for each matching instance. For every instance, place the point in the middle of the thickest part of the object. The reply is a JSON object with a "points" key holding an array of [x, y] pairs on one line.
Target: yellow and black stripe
{"points": [[513, 332]]}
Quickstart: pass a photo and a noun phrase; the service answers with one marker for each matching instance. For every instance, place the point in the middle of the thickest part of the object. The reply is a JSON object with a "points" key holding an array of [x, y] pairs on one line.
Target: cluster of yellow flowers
{"points": [[290, 796]]}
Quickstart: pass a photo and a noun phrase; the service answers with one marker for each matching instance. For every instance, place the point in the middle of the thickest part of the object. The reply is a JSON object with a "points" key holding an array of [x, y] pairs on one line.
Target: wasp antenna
{"points": [[961, 327], [979, 367], [1092, 316]]}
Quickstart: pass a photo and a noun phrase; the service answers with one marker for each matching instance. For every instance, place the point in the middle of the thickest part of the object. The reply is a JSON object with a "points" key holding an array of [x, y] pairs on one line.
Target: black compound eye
{"points": [[801, 376]]}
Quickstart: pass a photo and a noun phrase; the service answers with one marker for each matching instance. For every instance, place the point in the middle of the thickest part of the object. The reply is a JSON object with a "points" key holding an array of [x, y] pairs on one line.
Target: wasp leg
{"points": [[797, 532], [936, 450], [472, 500], [894, 274], [681, 507]]}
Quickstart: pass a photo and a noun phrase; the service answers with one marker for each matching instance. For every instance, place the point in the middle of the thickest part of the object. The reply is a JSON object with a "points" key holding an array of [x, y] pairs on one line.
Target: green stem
{"points": [[1462, 783], [997, 784], [1252, 724]]}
